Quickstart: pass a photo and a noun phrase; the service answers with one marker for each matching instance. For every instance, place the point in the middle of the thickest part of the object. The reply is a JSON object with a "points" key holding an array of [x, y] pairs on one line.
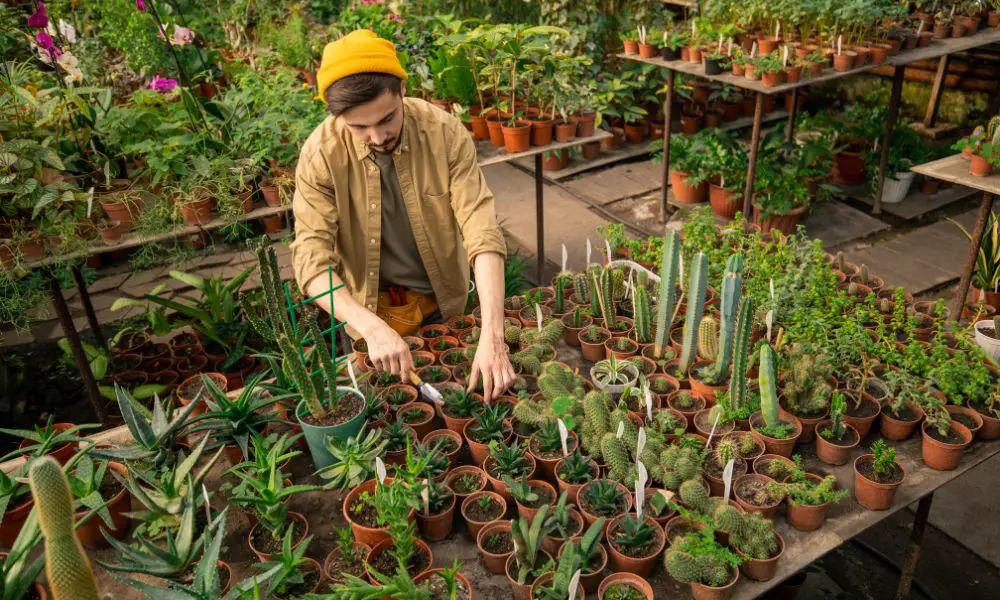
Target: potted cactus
{"points": [[708, 378], [698, 559], [778, 432]]}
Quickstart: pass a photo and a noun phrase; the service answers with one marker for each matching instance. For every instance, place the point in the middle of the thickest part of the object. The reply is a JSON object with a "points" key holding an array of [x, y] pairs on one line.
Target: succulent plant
{"points": [[697, 283], [667, 295], [642, 316]]}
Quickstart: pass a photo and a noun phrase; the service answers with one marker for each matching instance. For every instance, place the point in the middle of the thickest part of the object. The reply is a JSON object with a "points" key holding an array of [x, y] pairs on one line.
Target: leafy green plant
{"points": [[266, 493], [45, 438], [232, 420], [354, 459], [153, 432], [290, 563], [527, 541], [508, 459], [637, 535], [883, 459]]}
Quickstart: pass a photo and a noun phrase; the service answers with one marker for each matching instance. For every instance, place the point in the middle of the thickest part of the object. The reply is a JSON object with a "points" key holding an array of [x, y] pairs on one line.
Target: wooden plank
{"points": [[955, 169], [935, 49], [490, 155], [916, 204]]}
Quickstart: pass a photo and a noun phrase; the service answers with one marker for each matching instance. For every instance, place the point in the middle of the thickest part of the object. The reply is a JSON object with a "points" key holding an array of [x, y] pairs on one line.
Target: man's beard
{"points": [[387, 147]]}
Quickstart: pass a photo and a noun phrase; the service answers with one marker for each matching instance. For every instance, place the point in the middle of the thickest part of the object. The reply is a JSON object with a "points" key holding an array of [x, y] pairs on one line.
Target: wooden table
{"points": [[936, 49], [955, 169]]}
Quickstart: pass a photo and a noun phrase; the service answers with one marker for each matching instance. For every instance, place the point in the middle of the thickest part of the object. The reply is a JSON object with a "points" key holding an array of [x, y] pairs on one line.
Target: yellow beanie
{"points": [[360, 51]]}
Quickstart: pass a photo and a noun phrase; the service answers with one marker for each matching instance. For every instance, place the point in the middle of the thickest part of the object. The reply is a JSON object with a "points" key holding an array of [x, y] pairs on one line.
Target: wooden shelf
{"points": [[936, 49], [491, 155], [955, 169]]}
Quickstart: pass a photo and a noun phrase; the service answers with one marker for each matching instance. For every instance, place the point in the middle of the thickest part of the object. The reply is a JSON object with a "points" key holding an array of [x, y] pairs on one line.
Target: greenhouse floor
{"points": [[922, 252]]}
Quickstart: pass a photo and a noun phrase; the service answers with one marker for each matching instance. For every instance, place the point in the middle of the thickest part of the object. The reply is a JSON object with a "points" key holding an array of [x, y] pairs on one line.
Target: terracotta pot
{"points": [[301, 531], [629, 579], [619, 562], [785, 223], [498, 486], [896, 429], [566, 131], [572, 334], [635, 133], [526, 512], [555, 160], [424, 425], [594, 352], [724, 203], [705, 592], [494, 127], [122, 212], [63, 453], [834, 454], [479, 451], [516, 138], [461, 578], [762, 570], [217, 378], [590, 150], [958, 29], [460, 471], [547, 466], [573, 489], [978, 166], [197, 212], [863, 425], [774, 445], [684, 193], [943, 456], [589, 518], [844, 61], [879, 54], [872, 494], [991, 427], [385, 546], [436, 527], [522, 591], [807, 517], [541, 132], [808, 423], [13, 519], [648, 50], [369, 536], [691, 124], [772, 79], [767, 510], [473, 526], [703, 390], [431, 438], [968, 414], [494, 563], [631, 46]]}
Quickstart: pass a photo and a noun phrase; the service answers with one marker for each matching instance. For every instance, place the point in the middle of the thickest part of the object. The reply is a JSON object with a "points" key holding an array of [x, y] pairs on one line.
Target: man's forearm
{"points": [[348, 309], [489, 267]]}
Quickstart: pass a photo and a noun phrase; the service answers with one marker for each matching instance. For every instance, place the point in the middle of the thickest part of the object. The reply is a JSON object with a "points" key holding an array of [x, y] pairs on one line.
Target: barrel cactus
{"points": [[708, 338]]}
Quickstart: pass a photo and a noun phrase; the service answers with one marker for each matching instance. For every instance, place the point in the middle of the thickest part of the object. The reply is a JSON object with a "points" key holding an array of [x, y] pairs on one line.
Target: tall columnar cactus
{"points": [[66, 566], [581, 287], [697, 284], [667, 295], [559, 304], [738, 389], [642, 315], [732, 288], [768, 387], [605, 286], [708, 338]]}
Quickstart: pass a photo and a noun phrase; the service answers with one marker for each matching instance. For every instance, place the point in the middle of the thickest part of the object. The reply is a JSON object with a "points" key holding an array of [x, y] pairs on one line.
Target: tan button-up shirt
{"points": [[338, 205]]}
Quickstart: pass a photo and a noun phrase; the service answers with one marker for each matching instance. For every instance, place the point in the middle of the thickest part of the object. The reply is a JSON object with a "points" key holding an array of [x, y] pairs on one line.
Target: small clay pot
{"points": [[773, 445], [767, 510], [641, 566], [835, 454], [701, 591], [572, 489], [425, 424], [461, 471], [436, 527], [807, 517], [943, 456], [899, 430], [494, 563], [874, 495], [758, 569], [630, 579], [473, 526]]}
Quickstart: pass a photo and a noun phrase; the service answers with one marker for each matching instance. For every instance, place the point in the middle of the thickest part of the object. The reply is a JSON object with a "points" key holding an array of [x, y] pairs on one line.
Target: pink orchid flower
{"points": [[39, 19], [162, 84]]}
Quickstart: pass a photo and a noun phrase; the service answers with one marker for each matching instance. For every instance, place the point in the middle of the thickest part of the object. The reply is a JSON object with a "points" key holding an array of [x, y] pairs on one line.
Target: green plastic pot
{"points": [[316, 436]]}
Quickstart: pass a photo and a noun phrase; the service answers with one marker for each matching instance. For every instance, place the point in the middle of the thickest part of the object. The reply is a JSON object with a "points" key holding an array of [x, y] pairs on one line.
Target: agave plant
{"points": [[205, 585], [289, 562], [45, 439], [153, 433], [354, 459], [234, 420]]}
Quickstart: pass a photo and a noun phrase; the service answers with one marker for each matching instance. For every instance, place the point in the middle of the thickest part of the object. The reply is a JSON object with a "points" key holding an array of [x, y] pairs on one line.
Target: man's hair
{"points": [[355, 90]]}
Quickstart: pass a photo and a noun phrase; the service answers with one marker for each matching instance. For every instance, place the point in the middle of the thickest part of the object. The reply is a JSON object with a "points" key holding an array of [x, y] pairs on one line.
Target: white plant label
{"points": [[640, 488], [538, 316], [621, 429], [649, 402], [379, 470], [565, 258], [769, 320], [729, 49], [574, 583], [350, 372], [920, 29], [840, 41], [712, 433], [563, 436], [607, 248], [693, 30], [640, 443], [784, 58], [425, 493], [727, 478], [777, 30], [720, 44], [589, 249], [753, 50], [770, 283]]}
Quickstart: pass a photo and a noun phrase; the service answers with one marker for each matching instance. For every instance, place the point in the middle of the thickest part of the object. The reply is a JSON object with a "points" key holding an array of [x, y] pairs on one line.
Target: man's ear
{"points": [[402, 89]]}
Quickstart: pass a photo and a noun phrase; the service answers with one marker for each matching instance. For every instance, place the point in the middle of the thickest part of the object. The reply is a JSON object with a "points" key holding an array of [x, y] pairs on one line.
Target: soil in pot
{"points": [[872, 491], [466, 483], [834, 451], [347, 407], [498, 542], [754, 492], [312, 574], [263, 542], [384, 562], [335, 564]]}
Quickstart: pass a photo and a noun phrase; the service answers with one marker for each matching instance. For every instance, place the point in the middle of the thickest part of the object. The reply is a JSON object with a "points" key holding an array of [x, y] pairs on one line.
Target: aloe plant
{"points": [[354, 459], [153, 432]]}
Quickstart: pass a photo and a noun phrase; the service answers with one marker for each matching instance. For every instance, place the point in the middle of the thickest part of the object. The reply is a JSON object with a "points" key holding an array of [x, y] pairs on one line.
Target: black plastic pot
{"points": [[670, 53], [712, 66]]}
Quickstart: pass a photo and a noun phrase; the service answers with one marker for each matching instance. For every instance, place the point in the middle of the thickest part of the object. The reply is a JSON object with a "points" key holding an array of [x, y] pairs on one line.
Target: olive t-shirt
{"points": [[400, 260]]}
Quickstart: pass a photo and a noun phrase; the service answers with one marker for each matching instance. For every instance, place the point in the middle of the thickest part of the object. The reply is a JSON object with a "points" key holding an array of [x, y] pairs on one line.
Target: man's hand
{"points": [[493, 365], [388, 351]]}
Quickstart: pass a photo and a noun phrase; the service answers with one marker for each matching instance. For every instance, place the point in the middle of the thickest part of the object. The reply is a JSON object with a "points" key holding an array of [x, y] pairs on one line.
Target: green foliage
{"points": [[354, 459], [489, 425], [768, 390], [698, 558], [739, 392], [681, 463], [642, 315], [884, 459], [527, 541], [604, 497], [837, 428], [638, 535]]}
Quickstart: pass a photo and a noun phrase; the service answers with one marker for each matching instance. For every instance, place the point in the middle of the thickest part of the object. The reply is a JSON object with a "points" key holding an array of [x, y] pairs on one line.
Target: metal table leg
{"points": [[890, 123], [913, 552], [758, 116], [792, 114], [88, 307], [985, 208], [668, 109], [79, 356], [540, 218]]}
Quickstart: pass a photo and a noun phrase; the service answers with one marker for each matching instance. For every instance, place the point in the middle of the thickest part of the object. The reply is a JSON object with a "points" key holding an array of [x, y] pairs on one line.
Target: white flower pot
{"points": [[894, 190], [988, 344]]}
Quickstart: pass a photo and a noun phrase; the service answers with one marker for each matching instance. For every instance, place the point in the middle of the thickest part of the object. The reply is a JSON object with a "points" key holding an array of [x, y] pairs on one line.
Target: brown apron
{"points": [[406, 319]]}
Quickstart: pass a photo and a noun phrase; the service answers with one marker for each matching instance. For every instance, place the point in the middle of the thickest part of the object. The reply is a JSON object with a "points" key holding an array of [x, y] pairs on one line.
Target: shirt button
{"points": [[373, 206], [371, 273], [373, 241]]}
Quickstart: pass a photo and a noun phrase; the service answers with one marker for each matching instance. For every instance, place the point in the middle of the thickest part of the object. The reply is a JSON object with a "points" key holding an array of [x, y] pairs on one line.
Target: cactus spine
{"points": [[642, 314], [708, 338], [668, 293], [695, 306], [738, 389], [66, 566], [768, 389]]}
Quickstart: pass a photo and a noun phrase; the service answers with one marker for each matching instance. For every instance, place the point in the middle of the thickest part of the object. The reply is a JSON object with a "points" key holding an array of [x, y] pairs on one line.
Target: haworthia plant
{"points": [[697, 283], [667, 295]]}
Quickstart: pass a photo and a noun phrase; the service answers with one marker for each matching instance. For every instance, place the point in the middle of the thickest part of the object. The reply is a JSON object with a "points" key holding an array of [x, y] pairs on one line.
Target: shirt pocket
{"points": [[439, 222]]}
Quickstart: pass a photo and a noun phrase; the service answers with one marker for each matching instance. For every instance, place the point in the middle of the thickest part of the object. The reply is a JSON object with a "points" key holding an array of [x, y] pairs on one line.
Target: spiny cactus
{"points": [[528, 359], [616, 455], [697, 284], [552, 330], [694, 494], [66, 565], [768, 387], [807, 391], [727, 518], [738, 389], [642, 316], [605, 287], [679, 464], [708, 338], [725, 450], [581, 287], [852, 289], [512, 334], [667, 295], [754, 536], [559, 304], [863, 274], [597, 421], [709, 568], [732, 289]]}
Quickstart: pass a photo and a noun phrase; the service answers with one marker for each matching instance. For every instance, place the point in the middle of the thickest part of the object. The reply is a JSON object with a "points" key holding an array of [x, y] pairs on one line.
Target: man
{"points": [[389, 190]]}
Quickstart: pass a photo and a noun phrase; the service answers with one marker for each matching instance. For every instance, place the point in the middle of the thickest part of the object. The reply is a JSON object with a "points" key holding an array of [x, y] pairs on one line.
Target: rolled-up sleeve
{"points": [[316, 220], [471, 198]]}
